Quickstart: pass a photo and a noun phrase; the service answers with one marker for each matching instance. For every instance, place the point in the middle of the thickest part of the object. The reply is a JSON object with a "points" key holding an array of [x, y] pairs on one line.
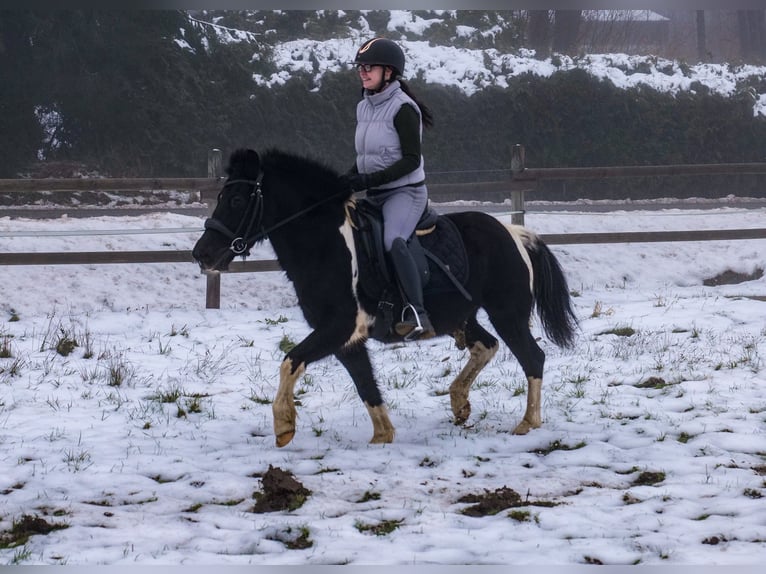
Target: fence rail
{"points": [[519, 181]]}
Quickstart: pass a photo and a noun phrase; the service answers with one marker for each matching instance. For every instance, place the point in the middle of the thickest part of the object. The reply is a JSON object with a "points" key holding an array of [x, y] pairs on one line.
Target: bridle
{"points": [[247, 231], [250, 229]]}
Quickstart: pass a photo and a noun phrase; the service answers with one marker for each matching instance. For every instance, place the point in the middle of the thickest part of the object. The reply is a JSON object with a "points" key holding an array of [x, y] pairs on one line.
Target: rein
{"points": [[239, 239]]}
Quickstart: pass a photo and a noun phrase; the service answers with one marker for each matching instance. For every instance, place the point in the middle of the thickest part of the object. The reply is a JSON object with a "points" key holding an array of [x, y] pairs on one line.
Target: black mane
{"points": [[313, 177]]}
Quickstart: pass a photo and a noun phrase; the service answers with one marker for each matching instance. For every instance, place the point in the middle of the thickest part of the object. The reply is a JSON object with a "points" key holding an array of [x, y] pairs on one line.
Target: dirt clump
{"points": [[491, 503], [281, 491], [730, 277]]}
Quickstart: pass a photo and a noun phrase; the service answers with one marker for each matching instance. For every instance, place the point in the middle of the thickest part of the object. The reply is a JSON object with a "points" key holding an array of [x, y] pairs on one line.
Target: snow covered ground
{"points": [[148, 442]]}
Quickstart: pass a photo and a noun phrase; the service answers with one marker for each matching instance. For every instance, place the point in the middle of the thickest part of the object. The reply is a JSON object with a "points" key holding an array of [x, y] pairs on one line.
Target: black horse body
{"points": [[303, 209]]}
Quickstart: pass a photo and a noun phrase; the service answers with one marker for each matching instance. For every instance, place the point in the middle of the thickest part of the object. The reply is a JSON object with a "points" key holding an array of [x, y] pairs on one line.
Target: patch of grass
{"points": [[260, 400], [170, 395], [118, 371], [277, 321], [159, 479], [65, 343], [183, 331], [520, 515], [649, 478], [20, 555], [367, 496], [286, 344], [653, 383], [5, 348], [77, 461], [14, 369], [623, 331], [685, 437], [598, 310], [232, 502], [27, 526], [558, 445], [300, 542], [380, 529], [628, 498], [752, 493]]}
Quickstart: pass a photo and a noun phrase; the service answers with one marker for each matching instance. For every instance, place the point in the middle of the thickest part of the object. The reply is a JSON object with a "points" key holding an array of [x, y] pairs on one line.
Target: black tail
{"points": [[552, 298]]}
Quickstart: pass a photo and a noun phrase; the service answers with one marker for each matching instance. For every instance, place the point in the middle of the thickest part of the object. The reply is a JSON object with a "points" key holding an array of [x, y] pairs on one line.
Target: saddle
{"points": [[436, 247]]}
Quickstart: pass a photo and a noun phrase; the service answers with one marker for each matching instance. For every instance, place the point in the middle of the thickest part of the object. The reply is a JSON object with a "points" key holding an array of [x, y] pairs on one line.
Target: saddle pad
{"points": [[447, 245]]}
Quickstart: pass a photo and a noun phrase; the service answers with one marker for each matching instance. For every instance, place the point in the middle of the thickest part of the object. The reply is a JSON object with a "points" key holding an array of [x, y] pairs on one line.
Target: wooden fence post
{"points": [[213, 287], [214, 168], [213, 292], [517, 196]]}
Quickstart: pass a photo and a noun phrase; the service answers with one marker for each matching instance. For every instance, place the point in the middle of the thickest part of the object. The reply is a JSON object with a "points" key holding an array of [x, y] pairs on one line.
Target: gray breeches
{"points": [[401, 209]]}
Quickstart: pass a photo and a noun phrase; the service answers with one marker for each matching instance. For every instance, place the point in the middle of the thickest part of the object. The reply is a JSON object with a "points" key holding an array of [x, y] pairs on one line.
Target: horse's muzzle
{"points": [[210, 258]]}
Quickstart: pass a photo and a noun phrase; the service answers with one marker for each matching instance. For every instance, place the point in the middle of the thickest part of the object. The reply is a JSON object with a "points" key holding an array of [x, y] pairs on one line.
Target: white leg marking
{"points": [[532, 418], [283, 408], [383, 430], [458, 390]]}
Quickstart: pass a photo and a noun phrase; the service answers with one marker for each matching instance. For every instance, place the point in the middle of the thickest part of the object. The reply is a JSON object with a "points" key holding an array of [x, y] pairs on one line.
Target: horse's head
{"points": [[236, 222]]}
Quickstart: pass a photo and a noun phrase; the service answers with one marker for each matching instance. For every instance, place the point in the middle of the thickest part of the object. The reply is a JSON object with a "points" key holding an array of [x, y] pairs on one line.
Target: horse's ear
{"points": [[244, 160]]}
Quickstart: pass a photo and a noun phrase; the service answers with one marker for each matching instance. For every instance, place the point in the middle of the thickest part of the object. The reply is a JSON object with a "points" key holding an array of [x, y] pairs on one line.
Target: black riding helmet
{"points": [[381, 52]]}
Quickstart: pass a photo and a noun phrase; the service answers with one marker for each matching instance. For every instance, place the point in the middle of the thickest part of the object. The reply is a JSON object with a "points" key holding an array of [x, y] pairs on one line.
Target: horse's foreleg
{"points": [[383, 430], [532, 418], [458, 390], [355, 359], [283, 407]]}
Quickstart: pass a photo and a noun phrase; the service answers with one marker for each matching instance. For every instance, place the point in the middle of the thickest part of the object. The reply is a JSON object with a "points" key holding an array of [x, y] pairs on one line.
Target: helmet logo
{"points": [[366, 47]]}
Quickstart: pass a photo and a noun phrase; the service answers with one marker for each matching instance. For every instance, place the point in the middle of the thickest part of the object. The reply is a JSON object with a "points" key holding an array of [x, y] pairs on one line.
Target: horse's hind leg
{"points": [[514, 330], [357, 362], [482, 346]]}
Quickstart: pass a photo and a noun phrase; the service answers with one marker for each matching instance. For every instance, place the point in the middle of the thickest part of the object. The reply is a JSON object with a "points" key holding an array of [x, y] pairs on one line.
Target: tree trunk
{"points": [[702, 52], [752, 35], [538, 32], [566, 30]]}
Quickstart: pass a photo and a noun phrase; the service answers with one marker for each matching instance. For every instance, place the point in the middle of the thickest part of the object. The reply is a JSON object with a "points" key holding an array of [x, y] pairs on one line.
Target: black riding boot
{"points": [[417, 325]]}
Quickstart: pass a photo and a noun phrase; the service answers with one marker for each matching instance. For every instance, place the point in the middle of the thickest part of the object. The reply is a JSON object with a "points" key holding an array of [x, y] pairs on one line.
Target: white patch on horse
{"points": [[522, 236], [363, 320]]}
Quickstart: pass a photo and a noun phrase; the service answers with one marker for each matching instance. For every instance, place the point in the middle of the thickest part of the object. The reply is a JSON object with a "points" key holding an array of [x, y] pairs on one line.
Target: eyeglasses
{"points": [[366, 67]]}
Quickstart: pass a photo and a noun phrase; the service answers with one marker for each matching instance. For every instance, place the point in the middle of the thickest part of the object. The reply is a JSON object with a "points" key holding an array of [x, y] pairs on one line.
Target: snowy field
{"points": [[135, 425]]}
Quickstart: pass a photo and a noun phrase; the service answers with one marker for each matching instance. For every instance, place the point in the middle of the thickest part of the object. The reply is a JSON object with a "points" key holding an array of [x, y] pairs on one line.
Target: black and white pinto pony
{"points": [[302, 207]]}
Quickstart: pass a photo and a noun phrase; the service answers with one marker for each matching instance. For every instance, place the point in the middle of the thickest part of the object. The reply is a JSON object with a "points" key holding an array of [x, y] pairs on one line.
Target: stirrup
{"points": [[411, 330]]}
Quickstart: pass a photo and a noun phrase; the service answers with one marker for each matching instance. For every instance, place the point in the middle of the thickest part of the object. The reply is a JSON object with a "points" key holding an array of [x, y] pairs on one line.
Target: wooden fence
{"points": [[520, 181]]}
